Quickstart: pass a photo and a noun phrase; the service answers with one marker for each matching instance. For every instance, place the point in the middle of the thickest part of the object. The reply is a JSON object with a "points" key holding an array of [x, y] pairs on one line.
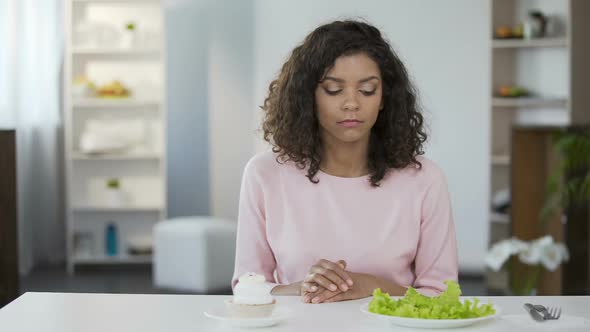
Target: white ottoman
{"points": [[194, 254]]}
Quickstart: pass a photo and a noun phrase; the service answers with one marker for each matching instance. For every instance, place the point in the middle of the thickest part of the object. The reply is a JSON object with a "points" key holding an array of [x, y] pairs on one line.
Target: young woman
{"points": [[344, 203]]}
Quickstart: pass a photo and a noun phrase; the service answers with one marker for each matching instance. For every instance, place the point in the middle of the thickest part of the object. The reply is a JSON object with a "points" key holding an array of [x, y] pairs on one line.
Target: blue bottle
{"points": [[111, 240]]}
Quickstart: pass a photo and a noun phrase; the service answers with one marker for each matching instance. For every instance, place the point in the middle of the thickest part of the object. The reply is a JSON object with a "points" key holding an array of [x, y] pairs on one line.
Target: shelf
{"points": [[114, 102], [117, 209], [501, 160], [124, 259], [143, 165], [117, 1], [501, 218], [131, 156], [115, 51], [529, 43], [517, 102]]}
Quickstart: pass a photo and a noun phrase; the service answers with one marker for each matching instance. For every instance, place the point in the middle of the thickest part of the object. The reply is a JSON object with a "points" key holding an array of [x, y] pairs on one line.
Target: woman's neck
{"points": [[345, 159]]}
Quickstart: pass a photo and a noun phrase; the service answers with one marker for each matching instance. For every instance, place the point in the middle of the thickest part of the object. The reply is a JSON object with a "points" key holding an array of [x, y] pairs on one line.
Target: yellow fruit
{"points": [[504, 91], [503, 32]]}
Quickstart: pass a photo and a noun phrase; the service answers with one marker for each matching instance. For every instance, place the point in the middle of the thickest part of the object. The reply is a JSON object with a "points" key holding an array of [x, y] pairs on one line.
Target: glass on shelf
{"points": [[83, 244], [90, 34]]}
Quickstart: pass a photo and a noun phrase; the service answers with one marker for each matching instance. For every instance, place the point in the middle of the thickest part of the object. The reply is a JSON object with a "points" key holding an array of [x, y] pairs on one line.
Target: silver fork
{"points": [[550, 313]]}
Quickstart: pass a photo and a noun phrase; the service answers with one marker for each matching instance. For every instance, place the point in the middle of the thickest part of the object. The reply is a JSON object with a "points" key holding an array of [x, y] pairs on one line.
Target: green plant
{"points": [[113, 183], [130, 26], [569, 184]]}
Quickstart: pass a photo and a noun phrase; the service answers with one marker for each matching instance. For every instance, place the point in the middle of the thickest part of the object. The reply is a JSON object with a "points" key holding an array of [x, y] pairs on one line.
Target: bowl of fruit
{"points": [[115, 89], [509, 91]]}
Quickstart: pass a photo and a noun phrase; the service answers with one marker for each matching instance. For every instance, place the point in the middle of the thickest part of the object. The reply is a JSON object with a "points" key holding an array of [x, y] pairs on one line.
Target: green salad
{"points": [[416, 305]]}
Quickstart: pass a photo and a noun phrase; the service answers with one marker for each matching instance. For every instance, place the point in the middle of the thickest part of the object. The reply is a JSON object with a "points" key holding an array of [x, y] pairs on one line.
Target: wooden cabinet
{"points": [[534, 159], [8, 219]]}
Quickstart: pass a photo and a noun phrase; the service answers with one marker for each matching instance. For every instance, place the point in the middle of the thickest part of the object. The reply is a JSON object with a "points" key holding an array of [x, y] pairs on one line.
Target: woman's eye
{"points": [[368, 93], [332, 92]]}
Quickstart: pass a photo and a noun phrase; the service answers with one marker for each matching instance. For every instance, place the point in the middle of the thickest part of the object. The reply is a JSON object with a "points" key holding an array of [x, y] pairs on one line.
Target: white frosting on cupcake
{"points": [[252, 289]]}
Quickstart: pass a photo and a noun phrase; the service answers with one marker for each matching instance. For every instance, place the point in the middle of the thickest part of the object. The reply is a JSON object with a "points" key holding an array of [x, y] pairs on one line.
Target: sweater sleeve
{"points": [[436, 257], [253, 252]]}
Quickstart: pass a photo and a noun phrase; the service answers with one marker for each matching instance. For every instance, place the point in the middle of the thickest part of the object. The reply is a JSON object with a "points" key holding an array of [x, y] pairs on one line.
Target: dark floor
{"points": [[138, 280], [103, 279]]}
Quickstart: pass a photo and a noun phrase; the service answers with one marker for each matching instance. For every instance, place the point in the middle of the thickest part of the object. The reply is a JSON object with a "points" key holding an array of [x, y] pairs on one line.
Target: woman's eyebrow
{"points": [[331, 78], [339, 80], [368, 79]]}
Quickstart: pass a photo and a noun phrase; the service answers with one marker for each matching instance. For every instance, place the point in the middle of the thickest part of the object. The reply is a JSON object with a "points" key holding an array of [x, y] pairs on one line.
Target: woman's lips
{"points": [[350, 123]]}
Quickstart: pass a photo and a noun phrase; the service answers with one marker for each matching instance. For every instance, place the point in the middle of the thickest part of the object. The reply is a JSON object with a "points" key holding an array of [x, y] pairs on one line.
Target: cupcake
{"points": [[252, 297]]}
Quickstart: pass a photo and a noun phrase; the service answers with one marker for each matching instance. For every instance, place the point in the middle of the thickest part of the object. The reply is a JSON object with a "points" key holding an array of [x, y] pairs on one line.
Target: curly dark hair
{"points": [[290, 122]]}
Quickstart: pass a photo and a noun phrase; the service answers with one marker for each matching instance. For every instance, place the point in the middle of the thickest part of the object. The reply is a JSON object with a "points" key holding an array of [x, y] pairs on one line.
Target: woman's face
{"points": [[348, 99]]}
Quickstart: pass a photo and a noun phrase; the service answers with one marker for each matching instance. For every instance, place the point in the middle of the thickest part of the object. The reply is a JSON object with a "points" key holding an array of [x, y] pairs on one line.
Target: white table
{"points": [[65, 312]]}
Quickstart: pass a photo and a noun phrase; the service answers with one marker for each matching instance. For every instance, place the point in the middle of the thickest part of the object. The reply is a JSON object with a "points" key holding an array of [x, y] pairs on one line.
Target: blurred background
{"points": [[125, 126]]}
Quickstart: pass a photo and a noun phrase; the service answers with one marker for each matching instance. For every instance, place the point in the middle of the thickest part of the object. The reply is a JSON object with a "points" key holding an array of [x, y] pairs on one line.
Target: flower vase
{"points": [[128, 39], [528, 284], [115, 197], [524, 292]]}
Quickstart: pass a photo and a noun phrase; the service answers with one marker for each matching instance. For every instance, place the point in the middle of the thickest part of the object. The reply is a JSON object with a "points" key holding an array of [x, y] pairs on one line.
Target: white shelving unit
{"points": [[548, 67], [522, 102], [502, 218], [82, 103], [117, 1], [125, 259], [501, 160], [524, 43], [97, 208], [129, 156], [99, 54], [80, 51]]}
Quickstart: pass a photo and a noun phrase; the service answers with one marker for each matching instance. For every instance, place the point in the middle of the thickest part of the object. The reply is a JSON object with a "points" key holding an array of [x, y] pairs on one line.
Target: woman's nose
{"points": [[351, 103]]}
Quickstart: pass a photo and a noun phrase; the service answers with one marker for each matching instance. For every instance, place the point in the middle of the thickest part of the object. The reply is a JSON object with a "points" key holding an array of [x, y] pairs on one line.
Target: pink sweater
{"points": [[402, 231]]}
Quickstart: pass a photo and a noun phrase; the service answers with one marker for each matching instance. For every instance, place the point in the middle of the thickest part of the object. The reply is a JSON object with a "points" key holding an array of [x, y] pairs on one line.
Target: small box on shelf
{"points": [[500, 160], [497, 217]]}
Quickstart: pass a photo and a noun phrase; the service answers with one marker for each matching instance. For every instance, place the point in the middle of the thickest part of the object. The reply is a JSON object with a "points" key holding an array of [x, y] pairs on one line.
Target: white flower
{"points": [[542, 250], [532, 254], [552, 255], [543, 241], [565, 254], [518, 246], [499, 253], [534, 250]]}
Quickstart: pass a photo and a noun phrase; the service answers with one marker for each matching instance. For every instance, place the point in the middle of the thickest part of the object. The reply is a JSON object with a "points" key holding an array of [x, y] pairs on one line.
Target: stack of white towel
{"points": [[114, 135]]}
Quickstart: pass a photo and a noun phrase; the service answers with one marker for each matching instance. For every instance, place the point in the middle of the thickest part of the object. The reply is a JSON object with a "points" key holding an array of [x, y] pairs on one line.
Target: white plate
{"points": [[278, 315], [429, 323]]}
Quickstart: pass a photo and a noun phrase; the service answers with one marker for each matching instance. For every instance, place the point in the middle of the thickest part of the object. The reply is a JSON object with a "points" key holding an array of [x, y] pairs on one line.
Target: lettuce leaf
{"points": [[416, 305]]}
